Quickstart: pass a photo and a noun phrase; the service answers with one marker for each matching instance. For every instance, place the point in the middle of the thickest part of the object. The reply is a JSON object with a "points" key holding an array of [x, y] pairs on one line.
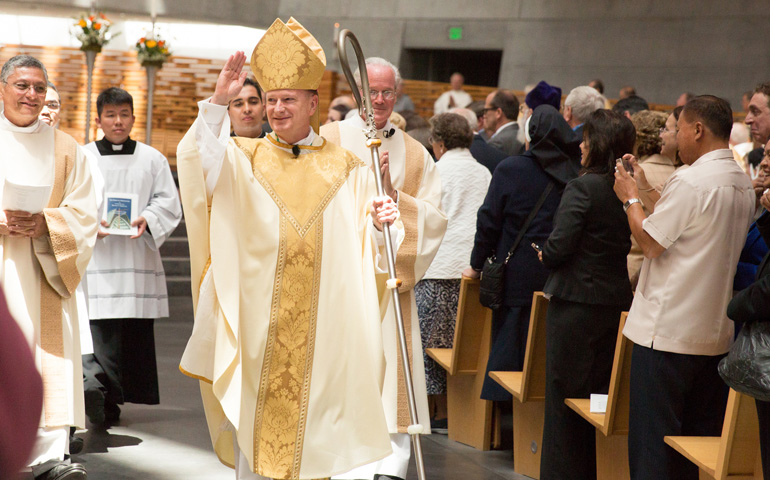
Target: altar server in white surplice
{"points": [[414, 175], [126, 282], [46, 240]]}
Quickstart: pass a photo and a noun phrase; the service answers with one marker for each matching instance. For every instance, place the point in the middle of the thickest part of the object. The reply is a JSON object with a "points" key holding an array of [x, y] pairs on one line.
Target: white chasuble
{"points": [[414, 174], [286, 340], [39, 276]]}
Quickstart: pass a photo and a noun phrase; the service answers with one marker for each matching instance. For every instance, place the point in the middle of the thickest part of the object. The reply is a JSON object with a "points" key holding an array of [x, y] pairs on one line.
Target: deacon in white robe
{"points": [[414, 175], [39, 276]]}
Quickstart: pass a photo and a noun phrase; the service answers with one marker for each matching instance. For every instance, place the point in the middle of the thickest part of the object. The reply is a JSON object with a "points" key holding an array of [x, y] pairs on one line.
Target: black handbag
{"points": [[746, 368], [492, 284]]}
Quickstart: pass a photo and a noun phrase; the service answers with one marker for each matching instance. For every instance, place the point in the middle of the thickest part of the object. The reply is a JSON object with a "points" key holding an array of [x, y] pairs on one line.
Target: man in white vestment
{"points": [[286, 341], [454, 98], [47, 232], [414, 176], [126, 282], [51, 115]]}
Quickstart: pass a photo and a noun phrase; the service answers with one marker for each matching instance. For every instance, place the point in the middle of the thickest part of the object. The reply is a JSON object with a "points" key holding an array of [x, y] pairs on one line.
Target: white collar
{"points": [[307, 141], [6, 124]]}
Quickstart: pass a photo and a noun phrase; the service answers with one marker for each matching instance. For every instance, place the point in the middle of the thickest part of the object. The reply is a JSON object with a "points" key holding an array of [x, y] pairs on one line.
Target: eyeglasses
{"points": [[53, 105], [23, 87], [488, 109], [386, 94]]}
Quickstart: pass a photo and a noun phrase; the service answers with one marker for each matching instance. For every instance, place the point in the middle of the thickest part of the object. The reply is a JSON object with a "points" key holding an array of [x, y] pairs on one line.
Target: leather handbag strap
{"points": [[529, 219]]}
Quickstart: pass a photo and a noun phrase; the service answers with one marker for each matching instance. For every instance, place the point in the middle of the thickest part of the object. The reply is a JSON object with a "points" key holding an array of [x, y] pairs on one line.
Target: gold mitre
{"points": [[288, 57]]}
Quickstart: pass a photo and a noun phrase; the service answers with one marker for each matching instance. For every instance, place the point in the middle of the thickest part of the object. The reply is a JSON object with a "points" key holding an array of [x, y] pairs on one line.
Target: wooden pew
{"points": [[612, 426], [734, 455], [528, 390], [469, 417]]}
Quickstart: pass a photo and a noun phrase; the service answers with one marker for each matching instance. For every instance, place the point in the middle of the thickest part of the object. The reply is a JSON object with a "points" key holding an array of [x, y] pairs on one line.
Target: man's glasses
{"points": [[386, 94], [53, 105], [23, 87]]}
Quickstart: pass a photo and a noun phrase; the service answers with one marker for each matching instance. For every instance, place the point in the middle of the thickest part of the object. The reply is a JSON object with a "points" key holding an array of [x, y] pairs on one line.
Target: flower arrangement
{"points": [[152, 50], [92, 31]]}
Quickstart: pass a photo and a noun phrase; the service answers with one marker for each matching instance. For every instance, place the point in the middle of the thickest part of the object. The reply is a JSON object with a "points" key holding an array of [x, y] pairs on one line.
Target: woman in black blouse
{"points": [[589, 288]]}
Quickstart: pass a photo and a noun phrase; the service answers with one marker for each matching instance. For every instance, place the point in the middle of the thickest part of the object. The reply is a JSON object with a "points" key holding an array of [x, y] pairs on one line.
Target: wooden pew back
{"points": [[618, 398], [469, 327], [734, 454], [740, 437], [533, 371]]}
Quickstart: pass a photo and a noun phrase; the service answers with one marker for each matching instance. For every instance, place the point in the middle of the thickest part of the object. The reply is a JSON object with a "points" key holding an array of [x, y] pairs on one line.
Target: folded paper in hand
{"points": [[26, 198]]}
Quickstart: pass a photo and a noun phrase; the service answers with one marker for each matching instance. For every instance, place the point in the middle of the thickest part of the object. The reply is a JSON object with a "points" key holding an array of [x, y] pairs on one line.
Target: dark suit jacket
{"points": [[752, 304], [579, 131], [506, 140], [517, 184], [589, 244], [485, 153]]}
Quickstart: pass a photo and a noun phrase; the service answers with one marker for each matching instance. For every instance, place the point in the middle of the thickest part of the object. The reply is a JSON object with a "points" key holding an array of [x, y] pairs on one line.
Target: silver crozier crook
{"points": [[372, 142]]}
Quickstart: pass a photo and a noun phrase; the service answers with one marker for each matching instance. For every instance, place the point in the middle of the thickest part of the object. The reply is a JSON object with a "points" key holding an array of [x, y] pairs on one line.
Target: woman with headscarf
{"points": [[589, 288], [517, 185]]}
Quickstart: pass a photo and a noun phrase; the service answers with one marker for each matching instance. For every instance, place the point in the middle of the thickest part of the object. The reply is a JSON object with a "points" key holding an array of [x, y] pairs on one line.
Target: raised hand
{"points": [[230, 79]]}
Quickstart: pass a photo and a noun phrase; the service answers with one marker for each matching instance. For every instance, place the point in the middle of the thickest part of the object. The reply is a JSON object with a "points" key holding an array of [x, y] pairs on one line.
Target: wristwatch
{"points": [[630, 202]]}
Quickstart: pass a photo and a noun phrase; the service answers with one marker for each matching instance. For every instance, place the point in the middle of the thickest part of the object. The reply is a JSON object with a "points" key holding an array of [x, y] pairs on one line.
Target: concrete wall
{"points": [[662, 47]]}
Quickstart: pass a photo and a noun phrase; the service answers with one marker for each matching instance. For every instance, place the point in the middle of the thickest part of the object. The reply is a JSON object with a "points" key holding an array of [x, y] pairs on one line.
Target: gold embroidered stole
{"points": [[55, 379], [301, 188], [407, 255], [414, 169]]}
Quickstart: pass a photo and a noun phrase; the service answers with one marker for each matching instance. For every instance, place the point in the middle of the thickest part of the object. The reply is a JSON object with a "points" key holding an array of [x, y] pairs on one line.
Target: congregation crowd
{"points": [[607, 207]]}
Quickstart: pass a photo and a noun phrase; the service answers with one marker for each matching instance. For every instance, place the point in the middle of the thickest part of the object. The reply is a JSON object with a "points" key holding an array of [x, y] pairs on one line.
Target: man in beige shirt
{"points": [[677, 320]]}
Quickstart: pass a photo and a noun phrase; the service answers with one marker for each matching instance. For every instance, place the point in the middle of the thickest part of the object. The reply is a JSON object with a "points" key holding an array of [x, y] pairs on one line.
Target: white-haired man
{"points": [[415, 178], [580, 103]]}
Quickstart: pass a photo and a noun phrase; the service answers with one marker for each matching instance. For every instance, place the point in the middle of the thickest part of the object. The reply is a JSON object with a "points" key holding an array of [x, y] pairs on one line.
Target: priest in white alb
{"points": [[417, 182], [286, 340], [46, 238]]}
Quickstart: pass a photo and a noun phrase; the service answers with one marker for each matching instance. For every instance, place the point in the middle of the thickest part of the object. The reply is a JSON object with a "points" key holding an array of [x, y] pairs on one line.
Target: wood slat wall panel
{"points": [[179, 85]]}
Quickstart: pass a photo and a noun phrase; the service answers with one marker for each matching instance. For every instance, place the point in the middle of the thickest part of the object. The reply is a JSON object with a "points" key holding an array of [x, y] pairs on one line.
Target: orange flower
{"points": [[91, 17], [151, 43], [161, 43], [82, 23], [103, 17], [97, 26]]}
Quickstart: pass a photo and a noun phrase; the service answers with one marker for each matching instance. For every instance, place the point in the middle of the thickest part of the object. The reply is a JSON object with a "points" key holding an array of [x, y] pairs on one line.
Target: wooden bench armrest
{"points": [[583, 408], [702, 451], [510, 381], [442, 356]]}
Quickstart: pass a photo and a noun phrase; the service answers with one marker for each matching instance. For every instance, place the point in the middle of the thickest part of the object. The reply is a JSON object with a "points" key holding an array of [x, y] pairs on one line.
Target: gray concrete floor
{"points": [[170, 441]]}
